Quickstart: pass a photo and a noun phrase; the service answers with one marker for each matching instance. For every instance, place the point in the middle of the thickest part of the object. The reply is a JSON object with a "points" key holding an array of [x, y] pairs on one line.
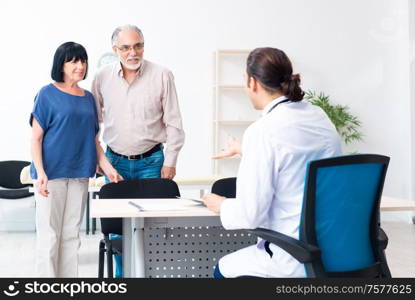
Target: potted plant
{"points": [[347, 125]]}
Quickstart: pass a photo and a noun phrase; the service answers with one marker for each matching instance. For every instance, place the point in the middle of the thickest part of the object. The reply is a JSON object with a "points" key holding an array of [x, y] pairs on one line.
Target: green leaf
{"points": [[347, 125]]}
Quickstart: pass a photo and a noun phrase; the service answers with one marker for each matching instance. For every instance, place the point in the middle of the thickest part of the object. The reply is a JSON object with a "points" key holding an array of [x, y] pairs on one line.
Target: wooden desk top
{"points": [[395, 204], [118, 208]]}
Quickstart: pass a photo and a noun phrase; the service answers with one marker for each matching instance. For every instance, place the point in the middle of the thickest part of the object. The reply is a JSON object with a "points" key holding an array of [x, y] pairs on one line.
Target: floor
{"points": [[17, 251]]}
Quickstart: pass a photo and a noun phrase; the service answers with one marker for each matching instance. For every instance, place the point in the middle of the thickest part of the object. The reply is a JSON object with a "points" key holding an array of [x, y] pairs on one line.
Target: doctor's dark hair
{"points": [[66, 52], [273, 69]]}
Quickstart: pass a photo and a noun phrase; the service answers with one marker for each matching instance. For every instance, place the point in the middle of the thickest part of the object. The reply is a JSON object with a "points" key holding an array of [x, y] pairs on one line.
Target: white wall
{"points": [[411, 13], [356, 51]]}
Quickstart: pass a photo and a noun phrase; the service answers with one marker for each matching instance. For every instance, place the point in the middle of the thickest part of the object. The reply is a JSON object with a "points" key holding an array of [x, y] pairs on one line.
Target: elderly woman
{"points": [[65, 153]]}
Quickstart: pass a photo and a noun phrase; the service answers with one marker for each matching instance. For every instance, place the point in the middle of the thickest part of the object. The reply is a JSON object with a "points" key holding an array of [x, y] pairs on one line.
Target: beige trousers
{"points": [[58, 219]]}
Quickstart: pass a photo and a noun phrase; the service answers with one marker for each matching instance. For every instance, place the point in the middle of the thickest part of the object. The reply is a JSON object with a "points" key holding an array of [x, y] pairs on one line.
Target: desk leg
{"points": [[139, 262], [94, 220], [88, 201], [94, 225], [126, 246]]}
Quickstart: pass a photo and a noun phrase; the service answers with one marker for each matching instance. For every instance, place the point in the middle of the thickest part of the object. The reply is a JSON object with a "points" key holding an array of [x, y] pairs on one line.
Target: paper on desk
{"points": [[167, 207]]}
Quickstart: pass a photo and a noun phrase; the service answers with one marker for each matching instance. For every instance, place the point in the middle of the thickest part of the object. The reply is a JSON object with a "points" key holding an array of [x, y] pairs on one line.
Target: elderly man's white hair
{"points": [[117, 30]]}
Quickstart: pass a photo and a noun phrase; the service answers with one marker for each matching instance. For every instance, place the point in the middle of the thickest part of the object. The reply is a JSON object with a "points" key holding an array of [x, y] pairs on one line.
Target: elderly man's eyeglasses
{"points": [[125, 48]]}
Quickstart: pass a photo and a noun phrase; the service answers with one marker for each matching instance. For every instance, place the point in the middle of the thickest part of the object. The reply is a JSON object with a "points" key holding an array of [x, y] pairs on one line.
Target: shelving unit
{"points": [[232, 110]]}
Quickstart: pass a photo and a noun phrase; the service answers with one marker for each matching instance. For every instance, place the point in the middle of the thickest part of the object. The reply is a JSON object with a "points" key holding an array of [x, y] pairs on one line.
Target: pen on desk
{"points": [[136, 205], [200, 201]]}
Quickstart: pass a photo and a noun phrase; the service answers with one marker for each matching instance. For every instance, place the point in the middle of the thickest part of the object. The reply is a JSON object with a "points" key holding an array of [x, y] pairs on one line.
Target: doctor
{"points": [[275, 151]]}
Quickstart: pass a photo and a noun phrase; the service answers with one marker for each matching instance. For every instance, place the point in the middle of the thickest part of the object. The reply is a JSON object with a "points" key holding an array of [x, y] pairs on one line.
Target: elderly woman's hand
{"points": [[41, 184], [105, 166], [113, 175]]}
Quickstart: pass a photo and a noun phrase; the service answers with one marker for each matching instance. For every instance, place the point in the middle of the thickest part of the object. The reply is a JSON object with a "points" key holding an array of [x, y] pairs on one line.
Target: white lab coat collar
{"points": [[271, 104]]}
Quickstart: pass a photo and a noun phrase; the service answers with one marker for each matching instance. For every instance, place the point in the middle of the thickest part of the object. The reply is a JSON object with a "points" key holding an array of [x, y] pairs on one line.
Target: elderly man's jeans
{"points": [[149, 167]]}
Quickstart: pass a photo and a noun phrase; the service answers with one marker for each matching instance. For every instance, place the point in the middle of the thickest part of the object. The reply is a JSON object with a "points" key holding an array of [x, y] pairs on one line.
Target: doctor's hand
{"points": [[168, 172], [42, 184], [234, 147], [213, 202]]}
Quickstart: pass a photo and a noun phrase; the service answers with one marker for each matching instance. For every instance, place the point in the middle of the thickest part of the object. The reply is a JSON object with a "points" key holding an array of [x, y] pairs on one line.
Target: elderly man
{"points": [[137, 102]]}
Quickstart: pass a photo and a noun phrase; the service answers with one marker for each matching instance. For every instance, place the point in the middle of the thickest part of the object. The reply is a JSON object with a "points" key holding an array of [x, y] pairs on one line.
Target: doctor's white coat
{"points": [[270, 183]]}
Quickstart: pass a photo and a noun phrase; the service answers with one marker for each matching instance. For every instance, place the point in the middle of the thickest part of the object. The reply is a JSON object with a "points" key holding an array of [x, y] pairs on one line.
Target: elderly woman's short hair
{"points": [[69, 51]]}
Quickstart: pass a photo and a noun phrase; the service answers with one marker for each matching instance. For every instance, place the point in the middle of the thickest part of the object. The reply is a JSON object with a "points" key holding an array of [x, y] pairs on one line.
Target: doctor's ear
{"points": [[252, 84]]}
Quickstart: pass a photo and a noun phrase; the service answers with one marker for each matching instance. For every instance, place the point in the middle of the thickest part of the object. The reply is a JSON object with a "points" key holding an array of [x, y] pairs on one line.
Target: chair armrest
{"points": [[382, 239], [301, 251]]}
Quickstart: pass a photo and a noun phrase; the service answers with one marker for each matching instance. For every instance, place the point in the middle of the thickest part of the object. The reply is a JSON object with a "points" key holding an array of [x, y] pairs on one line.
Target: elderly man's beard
{"points": [[130, 66]]}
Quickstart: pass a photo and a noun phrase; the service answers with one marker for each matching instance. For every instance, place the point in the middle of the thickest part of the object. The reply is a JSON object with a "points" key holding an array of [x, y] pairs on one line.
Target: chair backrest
{"points": [[10, 173], [341, 211], [225, 187], [135, 188]]}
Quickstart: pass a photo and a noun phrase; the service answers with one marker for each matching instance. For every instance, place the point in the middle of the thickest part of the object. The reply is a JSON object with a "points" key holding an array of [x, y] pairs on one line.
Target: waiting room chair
{"points": [[340, 234], [11, 190], [134, 188], [225, 187], [10, 180]]}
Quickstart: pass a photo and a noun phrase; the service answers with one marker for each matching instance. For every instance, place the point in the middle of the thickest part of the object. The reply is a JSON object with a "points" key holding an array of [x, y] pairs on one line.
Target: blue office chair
{"points": [[340, 234]]}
